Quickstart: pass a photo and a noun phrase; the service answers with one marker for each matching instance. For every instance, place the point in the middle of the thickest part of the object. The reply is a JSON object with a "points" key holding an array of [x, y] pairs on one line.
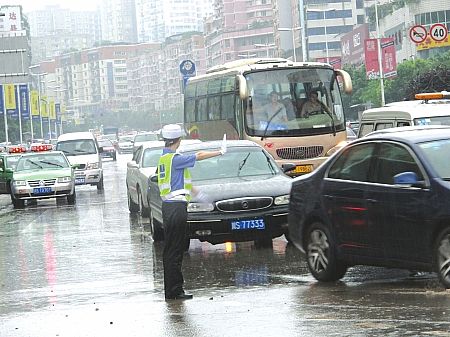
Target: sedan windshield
{"points": [[146, 137], [237, 162], [77, 147], [437, 153], [42, 161]]}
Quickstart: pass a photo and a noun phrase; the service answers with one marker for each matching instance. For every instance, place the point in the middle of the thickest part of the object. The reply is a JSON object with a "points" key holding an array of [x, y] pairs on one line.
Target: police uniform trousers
{"points": [[175, 228]]}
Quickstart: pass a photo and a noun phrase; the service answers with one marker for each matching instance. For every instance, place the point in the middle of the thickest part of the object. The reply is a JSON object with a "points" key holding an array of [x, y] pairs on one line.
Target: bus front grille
{"points": [[300, 152]]}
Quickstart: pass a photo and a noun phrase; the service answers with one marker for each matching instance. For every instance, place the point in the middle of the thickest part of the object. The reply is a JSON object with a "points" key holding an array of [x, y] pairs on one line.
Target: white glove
{"points": [[223, 148]]}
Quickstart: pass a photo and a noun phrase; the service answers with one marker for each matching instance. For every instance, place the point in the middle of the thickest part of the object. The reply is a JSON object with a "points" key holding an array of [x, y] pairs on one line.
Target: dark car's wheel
{"points": [[321, 254], [100, 185], [71, 198], [142, 209], [442, 257], [156, 229], [18, 203], [132, 206]]}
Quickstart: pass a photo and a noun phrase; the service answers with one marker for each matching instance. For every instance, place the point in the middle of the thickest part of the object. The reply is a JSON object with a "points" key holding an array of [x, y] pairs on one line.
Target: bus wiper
{"points": [[333, 124], [268, 122], [242, 163]]}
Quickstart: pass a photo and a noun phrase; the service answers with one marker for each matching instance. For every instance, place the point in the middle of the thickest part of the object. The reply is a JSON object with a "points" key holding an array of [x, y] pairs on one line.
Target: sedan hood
{"points": [[40, 174], [256, 186]]}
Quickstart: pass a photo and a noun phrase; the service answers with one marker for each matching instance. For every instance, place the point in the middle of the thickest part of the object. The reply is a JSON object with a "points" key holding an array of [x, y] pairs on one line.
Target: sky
{"points": [[32, 5]]}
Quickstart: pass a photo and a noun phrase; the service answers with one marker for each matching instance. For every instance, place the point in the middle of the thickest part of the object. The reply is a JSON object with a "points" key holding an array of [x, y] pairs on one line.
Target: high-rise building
{"points": [[159, 19], [118, 21], [55, 30]]}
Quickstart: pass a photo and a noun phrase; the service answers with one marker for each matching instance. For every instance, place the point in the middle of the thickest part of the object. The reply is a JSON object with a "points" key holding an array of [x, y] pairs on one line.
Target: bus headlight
{"points": [[64, 179], [199, 207], [19, 183], [282, 200]]}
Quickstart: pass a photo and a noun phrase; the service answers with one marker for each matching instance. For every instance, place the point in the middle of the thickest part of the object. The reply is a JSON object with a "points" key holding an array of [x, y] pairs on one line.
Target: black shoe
{"points": [[181, 297]]}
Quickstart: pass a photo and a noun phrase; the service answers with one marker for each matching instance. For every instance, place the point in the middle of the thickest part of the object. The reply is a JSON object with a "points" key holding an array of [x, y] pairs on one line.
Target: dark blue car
{"points": [[383, 200]]}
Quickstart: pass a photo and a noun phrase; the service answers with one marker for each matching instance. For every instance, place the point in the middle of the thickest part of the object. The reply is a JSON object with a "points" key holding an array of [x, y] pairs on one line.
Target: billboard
{"points": [[12, 21], [352, 45], [388, 58]]}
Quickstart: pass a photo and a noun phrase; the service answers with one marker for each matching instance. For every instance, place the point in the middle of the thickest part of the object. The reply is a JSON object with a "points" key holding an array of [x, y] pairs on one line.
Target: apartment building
{"points": [[118, 21]]}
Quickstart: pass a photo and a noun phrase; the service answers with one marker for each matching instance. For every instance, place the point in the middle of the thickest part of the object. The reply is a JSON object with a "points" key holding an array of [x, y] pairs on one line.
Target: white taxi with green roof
{"points": [[42, 175]]}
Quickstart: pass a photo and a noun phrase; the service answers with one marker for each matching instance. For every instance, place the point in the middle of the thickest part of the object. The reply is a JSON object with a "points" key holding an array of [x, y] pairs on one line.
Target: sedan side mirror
{"points": [[132, 164], [100, 149], [288, 167], [154, 178], [408, 179]]}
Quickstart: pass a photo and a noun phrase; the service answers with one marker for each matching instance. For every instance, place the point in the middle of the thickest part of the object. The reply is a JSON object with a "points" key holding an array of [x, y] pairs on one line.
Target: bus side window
{"points": [[227, 110], [202, 109], [190, 110], [214, 108]]}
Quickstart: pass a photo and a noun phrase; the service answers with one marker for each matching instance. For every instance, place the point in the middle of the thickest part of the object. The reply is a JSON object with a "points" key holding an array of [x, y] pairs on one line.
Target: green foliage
{"points": [[413, 76]]}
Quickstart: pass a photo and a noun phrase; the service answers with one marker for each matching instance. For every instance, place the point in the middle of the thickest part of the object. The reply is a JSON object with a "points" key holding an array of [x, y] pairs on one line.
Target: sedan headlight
{"points": [[200, 207], [282, 200], [19, 183], [64, 179], [92, 166]]}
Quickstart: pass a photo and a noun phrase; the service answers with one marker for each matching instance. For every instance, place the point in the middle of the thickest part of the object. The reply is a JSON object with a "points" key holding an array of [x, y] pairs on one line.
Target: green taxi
{"points": [[7, 164], [42, 175]]}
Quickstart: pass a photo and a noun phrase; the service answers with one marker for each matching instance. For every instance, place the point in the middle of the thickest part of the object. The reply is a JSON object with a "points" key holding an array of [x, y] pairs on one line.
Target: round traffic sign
{"points": [[438, 32], [418, 33]]}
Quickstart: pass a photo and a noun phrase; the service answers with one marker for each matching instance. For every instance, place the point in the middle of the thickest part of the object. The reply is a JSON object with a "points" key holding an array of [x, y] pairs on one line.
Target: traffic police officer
{"points": [[175, 187]]}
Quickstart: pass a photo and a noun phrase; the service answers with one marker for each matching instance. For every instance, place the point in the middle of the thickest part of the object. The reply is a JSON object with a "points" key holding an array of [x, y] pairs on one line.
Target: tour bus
{"points": [[427, 109], [228, 98]]}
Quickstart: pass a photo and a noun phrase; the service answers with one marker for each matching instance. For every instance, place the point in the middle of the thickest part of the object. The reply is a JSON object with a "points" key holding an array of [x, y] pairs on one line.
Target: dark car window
{"points": [[151, 157], [353, 163], [393, 159]]}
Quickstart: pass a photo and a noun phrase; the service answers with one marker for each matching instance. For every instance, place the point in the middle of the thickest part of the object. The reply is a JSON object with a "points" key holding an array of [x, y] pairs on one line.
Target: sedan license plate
{"points": [[42, 190], [303, 169], [79, 181], [248, 224]]}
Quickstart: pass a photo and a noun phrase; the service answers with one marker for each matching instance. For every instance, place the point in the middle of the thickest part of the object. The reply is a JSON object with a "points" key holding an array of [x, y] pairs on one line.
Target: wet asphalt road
{"points": [[92, 270]]}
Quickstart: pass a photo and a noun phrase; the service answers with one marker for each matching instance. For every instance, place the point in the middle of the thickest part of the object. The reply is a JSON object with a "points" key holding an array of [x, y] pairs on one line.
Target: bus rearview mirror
{"points": [[243, 92]]}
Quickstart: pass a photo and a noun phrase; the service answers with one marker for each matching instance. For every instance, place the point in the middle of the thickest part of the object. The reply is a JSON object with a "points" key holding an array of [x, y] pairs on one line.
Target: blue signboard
{"points": [[24, 101], [187, 67], [2, 101]]}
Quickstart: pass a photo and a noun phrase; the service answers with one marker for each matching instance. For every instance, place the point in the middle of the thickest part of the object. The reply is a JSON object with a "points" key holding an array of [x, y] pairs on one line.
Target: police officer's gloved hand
{"points": [[223, 148]]}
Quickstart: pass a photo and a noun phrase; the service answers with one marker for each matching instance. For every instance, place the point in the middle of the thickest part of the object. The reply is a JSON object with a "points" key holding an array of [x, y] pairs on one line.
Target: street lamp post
{"points": [[39, 97], [380, 62], [292, 30]]}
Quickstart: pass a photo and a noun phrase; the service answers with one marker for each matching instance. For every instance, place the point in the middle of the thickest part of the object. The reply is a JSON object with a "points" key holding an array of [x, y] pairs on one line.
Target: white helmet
{"points": [[172, 131]]}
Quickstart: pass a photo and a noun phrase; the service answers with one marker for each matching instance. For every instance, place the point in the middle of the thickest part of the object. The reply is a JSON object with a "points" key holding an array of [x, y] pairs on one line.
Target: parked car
{"points": [[125, 144], [240, 196], [139, 169], [143, 137], [382, 200], [42, 175], [108, 149]]}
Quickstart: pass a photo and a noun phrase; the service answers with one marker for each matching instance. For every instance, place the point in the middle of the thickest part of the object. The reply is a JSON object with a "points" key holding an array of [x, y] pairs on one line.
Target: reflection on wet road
{"points": [[93, 270]]}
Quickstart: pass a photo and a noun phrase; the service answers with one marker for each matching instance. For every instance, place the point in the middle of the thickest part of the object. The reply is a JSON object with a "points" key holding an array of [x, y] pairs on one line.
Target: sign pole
{"points": [[4, 116], [380, 61], [31, 115]]}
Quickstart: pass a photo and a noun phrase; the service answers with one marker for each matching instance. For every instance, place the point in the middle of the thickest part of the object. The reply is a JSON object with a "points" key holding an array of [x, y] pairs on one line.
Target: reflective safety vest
{"points": [[165, 177]]}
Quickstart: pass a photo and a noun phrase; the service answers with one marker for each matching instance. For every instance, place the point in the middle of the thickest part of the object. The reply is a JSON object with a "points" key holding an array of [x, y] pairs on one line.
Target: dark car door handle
{"points": [[372, 201], [328, 197]]}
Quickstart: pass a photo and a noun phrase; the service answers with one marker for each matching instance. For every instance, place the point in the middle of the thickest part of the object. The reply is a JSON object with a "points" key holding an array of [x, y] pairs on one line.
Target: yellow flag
{"points": [[63, 113], [44, 111], [52, 110], [34, 103], [10, 97]]}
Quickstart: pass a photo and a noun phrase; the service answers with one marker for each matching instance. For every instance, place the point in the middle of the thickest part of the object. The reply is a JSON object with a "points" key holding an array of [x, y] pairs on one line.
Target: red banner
{"points": [[388, 58]]}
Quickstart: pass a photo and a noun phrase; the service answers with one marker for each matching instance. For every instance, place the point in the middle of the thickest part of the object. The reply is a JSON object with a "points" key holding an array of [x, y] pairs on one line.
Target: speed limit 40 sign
{"points": [[438, 32]]}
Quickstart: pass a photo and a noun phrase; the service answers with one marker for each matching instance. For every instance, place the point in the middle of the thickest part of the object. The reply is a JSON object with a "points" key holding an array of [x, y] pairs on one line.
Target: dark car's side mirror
{"points": [[154, 178], [288, 167], [408, 179], [8, 170], [100, 149]]}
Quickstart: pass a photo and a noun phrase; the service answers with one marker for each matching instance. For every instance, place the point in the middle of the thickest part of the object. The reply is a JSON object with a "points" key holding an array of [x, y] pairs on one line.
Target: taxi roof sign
{"points": [[41, 147], [17, 149]]}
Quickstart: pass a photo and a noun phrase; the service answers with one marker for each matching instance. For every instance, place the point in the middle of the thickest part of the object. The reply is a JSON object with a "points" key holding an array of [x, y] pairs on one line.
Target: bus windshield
{"points": [[293, 102]]}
